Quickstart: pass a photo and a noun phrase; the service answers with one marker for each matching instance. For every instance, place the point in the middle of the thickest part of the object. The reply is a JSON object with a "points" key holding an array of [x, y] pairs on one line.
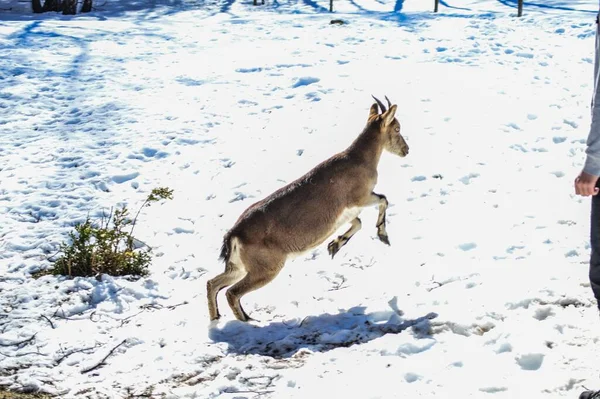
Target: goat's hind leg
{"points": [[232, 274], [262, 269], [334, 246]]}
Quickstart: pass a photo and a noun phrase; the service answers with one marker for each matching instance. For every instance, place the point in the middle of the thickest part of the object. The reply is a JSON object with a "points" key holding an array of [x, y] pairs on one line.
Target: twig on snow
{"points": [[72, 352], [88, 369], [268, 384], [338, 285], [64, 317], [437, 286], [158, 306], [294, 325], [18, 343], [23, 354], [95, 317], [49, 321], [302, 322], [259, 393], [171, 307]]}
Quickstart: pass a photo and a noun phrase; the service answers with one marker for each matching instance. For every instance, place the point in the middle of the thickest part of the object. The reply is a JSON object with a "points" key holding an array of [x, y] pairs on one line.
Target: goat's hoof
{"points": [[333, 248], [246, 319], [383, 237]]}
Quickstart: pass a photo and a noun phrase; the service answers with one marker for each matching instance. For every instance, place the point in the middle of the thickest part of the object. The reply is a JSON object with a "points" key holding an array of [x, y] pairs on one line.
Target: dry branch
{"points": [[18, 343], [23, 354], [49, 321], [72, 352], [338, 285], [259, 393], [101, 362]]}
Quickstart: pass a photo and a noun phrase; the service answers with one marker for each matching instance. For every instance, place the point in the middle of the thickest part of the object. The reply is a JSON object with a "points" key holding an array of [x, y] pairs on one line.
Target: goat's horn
{"points": [[388, 101], [380, 104]]}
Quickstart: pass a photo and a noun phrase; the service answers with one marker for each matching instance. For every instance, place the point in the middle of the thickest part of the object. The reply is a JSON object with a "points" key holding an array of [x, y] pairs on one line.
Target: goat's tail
{"points": [[226, 248]]}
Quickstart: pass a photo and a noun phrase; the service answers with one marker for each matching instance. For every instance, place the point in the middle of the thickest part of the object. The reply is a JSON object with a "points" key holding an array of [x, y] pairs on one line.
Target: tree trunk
{"points": [[86, 6], [69, 7], [52, 5], [36, 5]]}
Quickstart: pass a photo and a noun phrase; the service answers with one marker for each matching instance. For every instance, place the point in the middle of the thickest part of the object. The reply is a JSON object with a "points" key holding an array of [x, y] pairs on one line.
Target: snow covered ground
{"points": [[484, 290]]}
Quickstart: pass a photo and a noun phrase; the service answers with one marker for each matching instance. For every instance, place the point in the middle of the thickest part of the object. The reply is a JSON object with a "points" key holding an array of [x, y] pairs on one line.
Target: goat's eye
{"points": [[397, 128]]}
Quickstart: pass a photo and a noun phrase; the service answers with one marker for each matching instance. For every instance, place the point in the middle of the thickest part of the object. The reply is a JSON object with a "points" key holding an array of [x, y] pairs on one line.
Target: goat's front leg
{"points": [[383, 204], [335, 245]]}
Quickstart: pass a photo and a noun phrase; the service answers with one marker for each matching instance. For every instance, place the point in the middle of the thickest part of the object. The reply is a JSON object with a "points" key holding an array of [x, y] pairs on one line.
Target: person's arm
{"points": [[592, 162], [585, 183]]}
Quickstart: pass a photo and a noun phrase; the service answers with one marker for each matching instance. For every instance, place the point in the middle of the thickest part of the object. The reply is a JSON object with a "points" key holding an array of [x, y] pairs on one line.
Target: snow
{"points": [[484, 290]]}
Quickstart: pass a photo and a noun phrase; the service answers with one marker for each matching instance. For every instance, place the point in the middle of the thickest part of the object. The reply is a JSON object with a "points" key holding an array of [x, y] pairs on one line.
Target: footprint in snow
{"points": [[149, 152], [525, 55], [239, 196], [571, 254], [530, 361], [493, 389], [514, 248], [467, 179], [247, 102], [154, 153], [189, 81], [249, 70], [543, 313], [468, 246], [504, 348], [124, 178], [305, 81], [411, 377], [181, 230], [292, 65], [226, 163], [70, 162], [313, 96]]}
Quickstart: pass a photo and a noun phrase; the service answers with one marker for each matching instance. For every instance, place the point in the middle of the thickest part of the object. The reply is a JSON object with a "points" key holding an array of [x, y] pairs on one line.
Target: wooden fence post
{"points": [[437, 6], [330, 5], [520, 8]]}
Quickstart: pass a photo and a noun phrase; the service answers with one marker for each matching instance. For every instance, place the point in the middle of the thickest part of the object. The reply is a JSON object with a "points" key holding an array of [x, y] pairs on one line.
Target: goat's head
{"points": [[389, 127]]}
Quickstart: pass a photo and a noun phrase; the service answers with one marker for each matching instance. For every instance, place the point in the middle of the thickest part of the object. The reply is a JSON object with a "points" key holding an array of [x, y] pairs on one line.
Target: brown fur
{"points": [[303, 214]]}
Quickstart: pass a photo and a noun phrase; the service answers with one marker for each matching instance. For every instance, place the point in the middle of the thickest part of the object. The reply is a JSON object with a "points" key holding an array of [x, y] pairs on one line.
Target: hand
{"points": [[585, 184]]}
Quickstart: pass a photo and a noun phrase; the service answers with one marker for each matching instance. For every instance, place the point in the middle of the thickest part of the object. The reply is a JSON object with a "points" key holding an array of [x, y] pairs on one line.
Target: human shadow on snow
{"points": [[320, 333]]}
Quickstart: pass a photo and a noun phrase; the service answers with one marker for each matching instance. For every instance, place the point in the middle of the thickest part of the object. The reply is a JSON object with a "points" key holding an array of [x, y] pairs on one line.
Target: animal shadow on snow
{"points": [[320, 333]]}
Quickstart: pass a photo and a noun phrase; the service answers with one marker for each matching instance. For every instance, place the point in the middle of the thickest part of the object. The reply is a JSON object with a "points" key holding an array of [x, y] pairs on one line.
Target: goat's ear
{"points": [[388, 116], [374, 111]]}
